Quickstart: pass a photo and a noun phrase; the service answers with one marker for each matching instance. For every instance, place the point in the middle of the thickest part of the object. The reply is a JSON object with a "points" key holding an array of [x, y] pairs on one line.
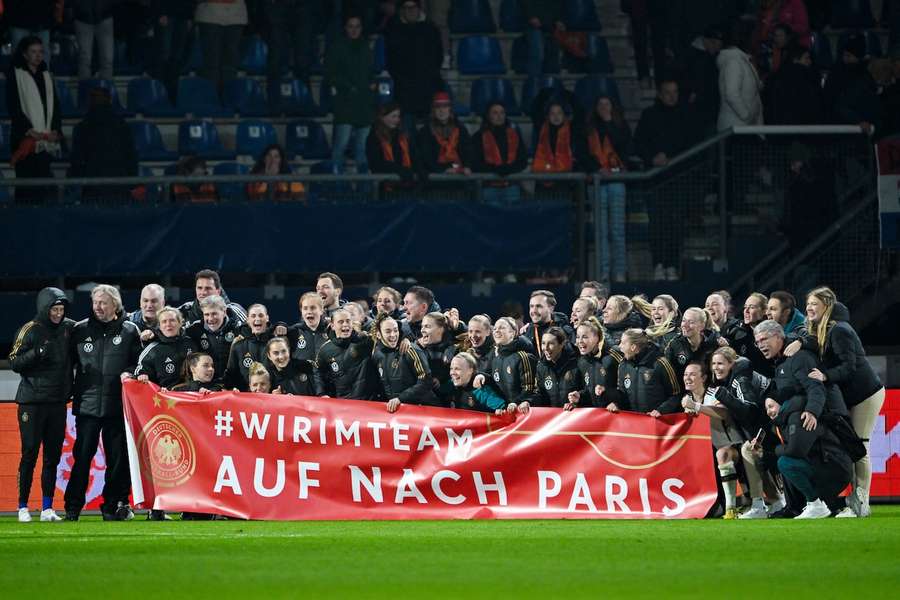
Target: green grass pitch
{"points": [[856, 558]]}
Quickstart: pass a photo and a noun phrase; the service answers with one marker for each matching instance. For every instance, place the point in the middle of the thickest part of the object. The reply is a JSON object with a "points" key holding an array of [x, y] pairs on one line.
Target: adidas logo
{"points": [[168, 360], [89, 340]]}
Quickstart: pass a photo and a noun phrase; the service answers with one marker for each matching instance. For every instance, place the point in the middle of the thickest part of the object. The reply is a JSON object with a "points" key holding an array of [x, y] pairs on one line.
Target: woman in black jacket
{"points": [[619, 314], [405, 374], [498, 148], [844, 363], [289, 375], [480, 342], [438, 345], [557, 370], [664, 318], [513, 367], [598, 368], [161, 361], [388, 148], [197, 374], [604, 148], [695, 343], [343, 367]]}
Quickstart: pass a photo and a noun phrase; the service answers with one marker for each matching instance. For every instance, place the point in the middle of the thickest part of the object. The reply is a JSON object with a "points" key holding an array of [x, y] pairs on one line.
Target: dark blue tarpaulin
{"points": [[284, 238]]}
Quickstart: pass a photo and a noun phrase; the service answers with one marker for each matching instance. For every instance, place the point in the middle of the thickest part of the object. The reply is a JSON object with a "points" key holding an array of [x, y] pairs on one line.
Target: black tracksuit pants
{"points": [[40, 424], [88, 431]]}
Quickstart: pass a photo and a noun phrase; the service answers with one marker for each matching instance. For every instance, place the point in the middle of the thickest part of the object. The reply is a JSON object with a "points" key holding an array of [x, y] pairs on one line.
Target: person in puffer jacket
{"points": [[598, 367], [344, 367], [42, 357], [162, 360], [557, 371], [513, 367]]}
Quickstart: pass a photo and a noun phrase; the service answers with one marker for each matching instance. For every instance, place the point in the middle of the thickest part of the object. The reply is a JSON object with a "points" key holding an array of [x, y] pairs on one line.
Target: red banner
{"points": [[260, 456]]}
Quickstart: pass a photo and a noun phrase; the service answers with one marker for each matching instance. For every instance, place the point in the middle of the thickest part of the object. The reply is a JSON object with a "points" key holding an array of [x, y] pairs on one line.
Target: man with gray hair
{"points": [[153, 298], [215, 333], [105, 348], [800, 401]]}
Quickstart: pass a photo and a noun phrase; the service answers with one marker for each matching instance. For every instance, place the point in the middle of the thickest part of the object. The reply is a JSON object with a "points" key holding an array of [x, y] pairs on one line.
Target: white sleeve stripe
{"points": [[140, 360]]}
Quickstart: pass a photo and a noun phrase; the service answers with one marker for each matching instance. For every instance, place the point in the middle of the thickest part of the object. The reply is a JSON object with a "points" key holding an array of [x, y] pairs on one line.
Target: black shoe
{"points": [[72, 515], [124, 512], [784, 513], [108, 516], [158, 515]]}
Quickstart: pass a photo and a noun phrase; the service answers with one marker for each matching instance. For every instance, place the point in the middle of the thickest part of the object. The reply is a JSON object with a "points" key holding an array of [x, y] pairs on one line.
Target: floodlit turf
{"points": [[546, 559]]}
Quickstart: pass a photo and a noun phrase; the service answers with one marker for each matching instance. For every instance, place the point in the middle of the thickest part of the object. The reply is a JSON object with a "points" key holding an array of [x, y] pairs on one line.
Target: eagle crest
{"points": [[168, 450]]}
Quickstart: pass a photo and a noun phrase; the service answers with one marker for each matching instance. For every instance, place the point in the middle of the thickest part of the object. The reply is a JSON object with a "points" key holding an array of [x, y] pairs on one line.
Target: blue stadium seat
{"points": [[86, 85], [149, 97], [64, 55], [599, 58], [254, 56], [384, 89], [820, 50], [379, 61], [201, 138], [588, 89], [154, 191], [851, 14], [131, 64], [533, 85], [67, 107], [253, 137], [148, 141], [245, 97], [519, 58], [581, 15], [873, 44], [326, 106], [307, 139], [511, 19], [480, 55], [231, 192], [296, 99], [5, 150], [471, 16], [199, 97], [487, 90]]}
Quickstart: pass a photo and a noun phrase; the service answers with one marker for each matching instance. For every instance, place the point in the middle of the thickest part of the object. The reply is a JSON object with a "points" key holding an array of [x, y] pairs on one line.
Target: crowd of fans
{"points": [[791, 399]]}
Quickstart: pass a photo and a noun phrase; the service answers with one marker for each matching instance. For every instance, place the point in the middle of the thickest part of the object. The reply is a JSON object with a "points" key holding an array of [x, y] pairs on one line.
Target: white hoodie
{"points": [[739, 87]]}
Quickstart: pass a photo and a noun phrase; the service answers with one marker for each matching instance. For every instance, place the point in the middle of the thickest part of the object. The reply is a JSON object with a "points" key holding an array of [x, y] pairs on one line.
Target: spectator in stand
{"points": [[93, 20], [555, 149], [772, 13], [498, 149], [603, 149], [220, 23], [793, 95], [544, 17], [850, 70], [739, 82], [292, 27], [388, 148], [103, 146], [273, 162], [890, 95], [414, 56], [36, 123], [700, 82], [200, 192], [859, 103], [348, 68], [652, 15], [443, 142], [781, 309], [172, 26], [32, 18], [665, 129], [782, 38]]}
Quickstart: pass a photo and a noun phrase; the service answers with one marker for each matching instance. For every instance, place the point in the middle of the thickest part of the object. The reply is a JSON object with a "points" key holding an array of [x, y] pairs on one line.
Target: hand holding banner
{"points": [[261, 456]]}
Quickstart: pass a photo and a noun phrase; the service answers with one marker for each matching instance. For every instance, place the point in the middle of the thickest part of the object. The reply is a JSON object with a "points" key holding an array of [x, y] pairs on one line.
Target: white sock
{"points": [[759, 503], [729, 483]]}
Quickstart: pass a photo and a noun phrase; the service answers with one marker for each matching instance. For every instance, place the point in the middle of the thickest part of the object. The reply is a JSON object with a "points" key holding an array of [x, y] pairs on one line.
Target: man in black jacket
{"points": [[153, 299], [215, 333], [105, 347], [665, 129], [42, 357], [541, 309], [207, 283]]}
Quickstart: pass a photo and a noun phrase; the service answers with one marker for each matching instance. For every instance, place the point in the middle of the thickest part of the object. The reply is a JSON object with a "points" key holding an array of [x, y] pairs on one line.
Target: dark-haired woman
{"points": [[555, 150], [438, 345], [197, 374], [405, 374], [272, 162], [498, 148], [603, 149], [598, 367], [557, 370], [388, 149], [289, 375]]}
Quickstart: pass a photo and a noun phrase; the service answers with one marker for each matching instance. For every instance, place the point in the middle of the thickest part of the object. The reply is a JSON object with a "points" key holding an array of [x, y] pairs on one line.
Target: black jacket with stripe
{"points": [[648, 382], [513, 369], [535, 331], [247, 348], [191, 311], [162, 359], [600, 370], [344, 368], [405, 375], [556, 379], [744, 394], [295, 378], [216, 343], [102, 352], [308, 340], [680, 354], [42, 355]]}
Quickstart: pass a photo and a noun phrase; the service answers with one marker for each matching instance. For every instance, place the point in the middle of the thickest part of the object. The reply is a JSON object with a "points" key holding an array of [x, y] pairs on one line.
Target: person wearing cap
{"points": [[700, 80], [348, 68], [42, 357], [498, 149], [444, 143], [103, 146]]}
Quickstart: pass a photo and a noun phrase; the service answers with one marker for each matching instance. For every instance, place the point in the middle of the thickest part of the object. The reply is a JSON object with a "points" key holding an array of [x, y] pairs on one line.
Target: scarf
{"points": [[449, 147], [554, 160], [40, 116], [388, 150], [492, 152], [603, 151]]}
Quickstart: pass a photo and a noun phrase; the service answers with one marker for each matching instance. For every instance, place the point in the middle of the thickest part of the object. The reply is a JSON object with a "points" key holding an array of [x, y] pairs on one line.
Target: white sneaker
{"points": [[24, 515], [816, 509], [859, 507], [659, 273], [846, 513], [49, 515], [776, 506], [755, 512]]}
